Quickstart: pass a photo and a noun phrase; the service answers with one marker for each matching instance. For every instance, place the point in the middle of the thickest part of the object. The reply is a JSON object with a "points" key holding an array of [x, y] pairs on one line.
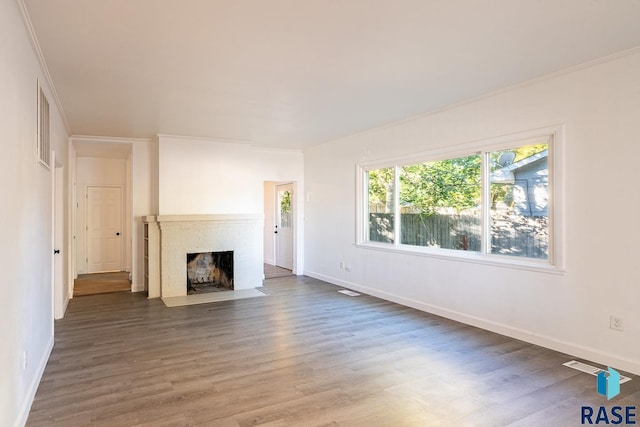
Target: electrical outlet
{"points": [[616, 324], [341, 265]]}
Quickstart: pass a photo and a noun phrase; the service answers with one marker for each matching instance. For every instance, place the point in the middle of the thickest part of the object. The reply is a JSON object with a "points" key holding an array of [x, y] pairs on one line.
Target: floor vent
{"points": [[350, 293], [592, 370]]}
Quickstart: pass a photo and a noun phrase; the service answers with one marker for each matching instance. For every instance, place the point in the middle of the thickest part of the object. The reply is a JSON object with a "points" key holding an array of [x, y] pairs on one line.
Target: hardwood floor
{"points": [[305, 355], [273, 271], [101, 283]]}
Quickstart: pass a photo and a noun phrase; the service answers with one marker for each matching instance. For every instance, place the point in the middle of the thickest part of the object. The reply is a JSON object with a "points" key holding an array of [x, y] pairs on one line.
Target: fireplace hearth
{"points": [[209, 272]]}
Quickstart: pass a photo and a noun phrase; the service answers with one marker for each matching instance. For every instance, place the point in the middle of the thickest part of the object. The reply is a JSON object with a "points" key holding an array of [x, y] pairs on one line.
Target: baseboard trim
{"points": [[580, 351], [137, 287], [25, 408], [66, 304]]}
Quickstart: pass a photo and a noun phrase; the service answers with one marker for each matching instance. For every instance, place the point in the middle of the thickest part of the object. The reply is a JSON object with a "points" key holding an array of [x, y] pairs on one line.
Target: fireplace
{"points": [[171, 238], [209, 272]]}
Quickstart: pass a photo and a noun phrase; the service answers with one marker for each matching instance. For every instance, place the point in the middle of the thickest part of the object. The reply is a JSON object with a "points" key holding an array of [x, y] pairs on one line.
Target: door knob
{"points": [[117, 234], [56, 251], [275, 232]]}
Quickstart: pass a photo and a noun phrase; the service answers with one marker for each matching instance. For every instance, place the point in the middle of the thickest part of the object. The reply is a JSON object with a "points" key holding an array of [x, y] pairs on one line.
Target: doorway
{"points": [[279, 231], [284, 226], [102, 214], [104, 229], [104, 243]]}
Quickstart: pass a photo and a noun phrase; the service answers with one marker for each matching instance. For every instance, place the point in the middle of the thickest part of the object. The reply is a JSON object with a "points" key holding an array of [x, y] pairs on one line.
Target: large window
{"points": [[440, 203], [381, 196], [519, 214], [494, 200]]}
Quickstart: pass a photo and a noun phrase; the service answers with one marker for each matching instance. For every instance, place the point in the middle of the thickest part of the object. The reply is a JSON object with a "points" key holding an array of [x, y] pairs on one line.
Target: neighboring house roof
{"points": [[506, 175]]}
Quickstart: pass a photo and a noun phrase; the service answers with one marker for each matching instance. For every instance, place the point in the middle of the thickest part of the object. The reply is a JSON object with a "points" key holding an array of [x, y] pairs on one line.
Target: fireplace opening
{"points": [[209, 272]]}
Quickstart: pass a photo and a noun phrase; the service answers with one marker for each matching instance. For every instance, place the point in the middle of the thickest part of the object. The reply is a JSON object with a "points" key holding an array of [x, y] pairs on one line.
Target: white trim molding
{"points": [[577, 350], [30, 395], [43, 63]]}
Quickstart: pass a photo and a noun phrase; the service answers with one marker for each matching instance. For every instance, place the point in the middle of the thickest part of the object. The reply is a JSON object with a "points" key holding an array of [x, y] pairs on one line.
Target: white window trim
{"points": [[555, 262]]}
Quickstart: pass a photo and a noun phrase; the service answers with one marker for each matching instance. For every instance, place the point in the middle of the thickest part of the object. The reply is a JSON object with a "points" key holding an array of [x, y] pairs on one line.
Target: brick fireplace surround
{"points": [[171, 237]]}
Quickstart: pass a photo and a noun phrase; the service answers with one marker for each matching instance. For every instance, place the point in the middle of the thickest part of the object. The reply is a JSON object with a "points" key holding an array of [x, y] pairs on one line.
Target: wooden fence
{"points": [[511, 234]]}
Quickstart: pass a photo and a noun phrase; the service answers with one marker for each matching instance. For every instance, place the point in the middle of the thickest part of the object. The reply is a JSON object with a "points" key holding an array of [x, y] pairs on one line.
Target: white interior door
{"points": [[284, 225], [104, 229], [59, 295]]}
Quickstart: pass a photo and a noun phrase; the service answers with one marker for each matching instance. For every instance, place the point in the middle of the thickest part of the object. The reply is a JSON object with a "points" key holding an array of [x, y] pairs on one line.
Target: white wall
{"points": [[201, 176], [71, 213], [275, 165], [600, 108], [144, 169], [93, 171], [269, 251], [26, 306]]}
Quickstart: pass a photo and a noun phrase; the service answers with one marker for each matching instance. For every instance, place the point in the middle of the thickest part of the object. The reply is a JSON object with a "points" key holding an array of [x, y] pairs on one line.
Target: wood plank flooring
{"points": [[305, 355], [273, 271], [101, 283]]}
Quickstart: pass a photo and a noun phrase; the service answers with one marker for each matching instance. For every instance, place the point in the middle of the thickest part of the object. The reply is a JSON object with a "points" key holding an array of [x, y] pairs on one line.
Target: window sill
{"points": [[540, 266]]}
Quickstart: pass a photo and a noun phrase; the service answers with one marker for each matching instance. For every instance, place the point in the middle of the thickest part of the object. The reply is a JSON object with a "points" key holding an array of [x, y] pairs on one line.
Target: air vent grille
{"points": [[44, 138], [592, 370], [349, 293]]}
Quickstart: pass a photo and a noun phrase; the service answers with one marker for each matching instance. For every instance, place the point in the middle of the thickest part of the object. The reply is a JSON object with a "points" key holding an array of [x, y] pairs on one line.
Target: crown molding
{"points": [[201, 138], [234, 141], [276, 149], [110, 139], [43, 63]]}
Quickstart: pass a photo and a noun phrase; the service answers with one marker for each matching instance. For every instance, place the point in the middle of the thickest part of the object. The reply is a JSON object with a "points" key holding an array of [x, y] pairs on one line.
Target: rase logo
{"points": [[608, 385], [618, 415]]}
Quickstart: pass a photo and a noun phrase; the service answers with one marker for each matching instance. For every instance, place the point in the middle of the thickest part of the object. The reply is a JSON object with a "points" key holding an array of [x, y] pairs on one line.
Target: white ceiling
{"points": [[293, 73]]}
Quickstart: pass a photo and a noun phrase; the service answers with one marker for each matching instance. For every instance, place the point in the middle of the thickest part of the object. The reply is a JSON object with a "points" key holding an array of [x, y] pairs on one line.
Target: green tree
{"points": [[450, 183], [285, 202], [528, 151], [381, 183]]}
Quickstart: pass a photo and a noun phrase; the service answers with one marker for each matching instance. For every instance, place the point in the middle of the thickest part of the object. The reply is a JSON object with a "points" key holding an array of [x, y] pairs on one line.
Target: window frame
{"points": [[553, 263]]}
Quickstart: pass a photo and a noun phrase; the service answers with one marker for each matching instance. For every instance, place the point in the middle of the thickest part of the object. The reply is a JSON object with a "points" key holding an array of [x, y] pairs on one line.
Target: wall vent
{"points": [[44, 137], [592, 370]]}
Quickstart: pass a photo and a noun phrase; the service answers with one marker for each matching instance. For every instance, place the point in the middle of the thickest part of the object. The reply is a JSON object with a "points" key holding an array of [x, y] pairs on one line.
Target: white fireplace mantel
{"points": [[178, 235], [212, 217]]}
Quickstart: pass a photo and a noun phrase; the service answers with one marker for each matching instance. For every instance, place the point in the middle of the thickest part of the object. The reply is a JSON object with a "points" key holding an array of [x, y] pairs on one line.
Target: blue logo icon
{"points": [[609, 383]]}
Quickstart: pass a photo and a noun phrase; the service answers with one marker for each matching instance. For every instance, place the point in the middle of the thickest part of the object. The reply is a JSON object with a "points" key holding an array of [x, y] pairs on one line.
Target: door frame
{"points": [[294, 213], [59, 246], [60, 292], [270, 207], [86, 224]]}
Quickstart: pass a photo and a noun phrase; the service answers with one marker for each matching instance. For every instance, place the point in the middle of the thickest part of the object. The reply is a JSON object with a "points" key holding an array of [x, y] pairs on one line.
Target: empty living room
{"points": [[315, 213]]}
